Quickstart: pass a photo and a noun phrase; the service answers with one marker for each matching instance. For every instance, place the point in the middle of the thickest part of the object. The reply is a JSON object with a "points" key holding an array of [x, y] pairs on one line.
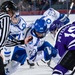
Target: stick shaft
{"points": [[71, 6]]}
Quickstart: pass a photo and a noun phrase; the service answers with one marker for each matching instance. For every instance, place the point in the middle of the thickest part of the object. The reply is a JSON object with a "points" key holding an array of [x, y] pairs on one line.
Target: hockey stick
{"points": [[48, 63], [9, 42], [71, 6], [73, 72]]}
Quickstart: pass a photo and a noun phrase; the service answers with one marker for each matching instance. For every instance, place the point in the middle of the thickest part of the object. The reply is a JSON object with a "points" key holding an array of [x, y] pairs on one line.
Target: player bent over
{"points": [[64, 43]]}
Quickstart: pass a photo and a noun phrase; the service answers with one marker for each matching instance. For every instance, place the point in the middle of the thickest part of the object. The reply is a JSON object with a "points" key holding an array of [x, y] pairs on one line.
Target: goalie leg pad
{"points": [[68, 60]]}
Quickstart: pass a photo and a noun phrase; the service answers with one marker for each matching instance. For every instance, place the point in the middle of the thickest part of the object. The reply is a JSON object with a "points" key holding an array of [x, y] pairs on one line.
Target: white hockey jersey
{"points": [[51, 15], [17, 30], [31, 47]]}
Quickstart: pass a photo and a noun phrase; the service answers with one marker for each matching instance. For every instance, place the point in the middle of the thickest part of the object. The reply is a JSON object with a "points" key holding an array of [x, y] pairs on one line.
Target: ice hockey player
{"points": [[64, 43], [17, 26]]}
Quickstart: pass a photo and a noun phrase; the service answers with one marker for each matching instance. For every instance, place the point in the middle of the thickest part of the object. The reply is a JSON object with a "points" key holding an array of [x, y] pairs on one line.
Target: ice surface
{"points": [[42, 69]]}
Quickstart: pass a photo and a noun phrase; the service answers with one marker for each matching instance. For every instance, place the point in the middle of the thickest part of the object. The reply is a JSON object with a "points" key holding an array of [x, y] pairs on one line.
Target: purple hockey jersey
{"points": [[65, 39]]}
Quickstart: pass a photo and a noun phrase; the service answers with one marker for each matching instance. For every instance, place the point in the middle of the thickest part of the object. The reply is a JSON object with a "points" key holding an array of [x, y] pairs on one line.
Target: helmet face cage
{"points": [[8, 5], [40, 28]]}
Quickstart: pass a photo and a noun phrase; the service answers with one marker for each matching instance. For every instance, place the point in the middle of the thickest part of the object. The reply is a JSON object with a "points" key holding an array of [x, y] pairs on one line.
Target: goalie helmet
{"points": [[8, 5]]}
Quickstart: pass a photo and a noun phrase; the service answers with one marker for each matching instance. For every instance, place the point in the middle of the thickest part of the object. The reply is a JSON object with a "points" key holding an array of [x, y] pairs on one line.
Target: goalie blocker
{"points": [[68, 60]]}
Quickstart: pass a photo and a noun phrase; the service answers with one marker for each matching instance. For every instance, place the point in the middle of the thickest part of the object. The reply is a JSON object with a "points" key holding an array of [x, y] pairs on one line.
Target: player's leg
{"points": [[66, 63], [18, 58], [46, 52], [49, 50], [7, 54], [19, 55], [2, 72]]}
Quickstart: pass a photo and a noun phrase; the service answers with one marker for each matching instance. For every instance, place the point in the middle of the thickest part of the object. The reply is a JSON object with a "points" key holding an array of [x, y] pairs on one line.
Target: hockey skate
{"points": [[30, 63]]}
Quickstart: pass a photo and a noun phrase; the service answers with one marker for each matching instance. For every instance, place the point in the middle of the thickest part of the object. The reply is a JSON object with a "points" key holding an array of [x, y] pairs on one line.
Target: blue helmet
{"points": [[40, 26], [56, 25]]}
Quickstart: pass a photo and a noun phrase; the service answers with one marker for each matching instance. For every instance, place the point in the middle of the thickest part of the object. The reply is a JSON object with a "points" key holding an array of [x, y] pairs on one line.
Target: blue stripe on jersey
{"points": [[7, 52], [34, 36], [36, 42], [13, 35], [22, 19]]}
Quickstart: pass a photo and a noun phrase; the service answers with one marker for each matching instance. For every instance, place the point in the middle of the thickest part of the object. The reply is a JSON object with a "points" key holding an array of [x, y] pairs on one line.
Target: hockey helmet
{"points": [[8, 5], [40, 26]]}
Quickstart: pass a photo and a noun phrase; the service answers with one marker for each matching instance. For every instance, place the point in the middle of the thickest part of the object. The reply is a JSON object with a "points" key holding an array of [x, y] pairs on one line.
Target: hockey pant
{"points": [[19, 55]]}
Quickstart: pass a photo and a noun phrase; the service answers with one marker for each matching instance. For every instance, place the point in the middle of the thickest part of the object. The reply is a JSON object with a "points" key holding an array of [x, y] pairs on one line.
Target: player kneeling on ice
{"points": [[36, 47]]}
